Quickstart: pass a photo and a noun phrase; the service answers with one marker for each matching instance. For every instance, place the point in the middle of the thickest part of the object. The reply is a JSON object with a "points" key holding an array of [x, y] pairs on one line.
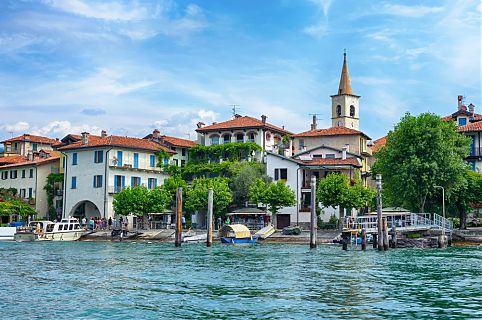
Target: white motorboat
{"points": [[193, 237], [66, 230]]}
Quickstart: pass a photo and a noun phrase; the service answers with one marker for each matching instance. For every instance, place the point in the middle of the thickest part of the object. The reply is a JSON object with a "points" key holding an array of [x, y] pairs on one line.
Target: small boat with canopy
{"points": [[236, 234]]}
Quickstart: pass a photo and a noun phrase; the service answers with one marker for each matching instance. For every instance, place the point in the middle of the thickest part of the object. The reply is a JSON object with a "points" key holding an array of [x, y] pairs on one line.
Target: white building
{"points": [[245, 129], [98, 167], [29, 177]]}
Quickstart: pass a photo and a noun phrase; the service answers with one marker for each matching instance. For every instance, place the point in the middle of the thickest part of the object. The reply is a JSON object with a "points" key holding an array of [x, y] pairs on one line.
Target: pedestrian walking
{"points": [[84, 222]]}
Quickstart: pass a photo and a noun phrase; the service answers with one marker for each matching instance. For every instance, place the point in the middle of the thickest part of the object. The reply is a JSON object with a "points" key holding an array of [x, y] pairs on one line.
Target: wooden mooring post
{"points": [[393, 242], [178, 217], [209, 239], [385, 234], [379, 212], [375, 241], [313, 213], [363, 239]]}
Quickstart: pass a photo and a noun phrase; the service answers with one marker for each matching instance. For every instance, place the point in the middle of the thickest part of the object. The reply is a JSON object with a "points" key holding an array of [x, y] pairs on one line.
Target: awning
{"points": [[238, 231], [246, 211]]}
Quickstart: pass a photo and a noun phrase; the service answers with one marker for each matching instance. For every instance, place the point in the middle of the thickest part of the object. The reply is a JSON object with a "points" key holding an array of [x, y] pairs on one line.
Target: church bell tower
{"points": [[345, 105]]}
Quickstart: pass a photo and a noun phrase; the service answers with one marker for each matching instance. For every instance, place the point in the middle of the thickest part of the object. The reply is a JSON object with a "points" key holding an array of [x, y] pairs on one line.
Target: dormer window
{"points": [[462, 121], [338, 111], [352, 111]]}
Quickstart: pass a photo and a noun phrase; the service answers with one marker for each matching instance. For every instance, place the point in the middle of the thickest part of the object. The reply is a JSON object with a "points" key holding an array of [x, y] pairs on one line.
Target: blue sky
{"points": [[131, 66]]}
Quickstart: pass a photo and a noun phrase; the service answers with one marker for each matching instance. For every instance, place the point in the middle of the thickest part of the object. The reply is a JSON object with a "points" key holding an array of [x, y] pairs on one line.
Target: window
{"points": [[22, 193], [352, 111], [73, 184], [136, 160], [23, 174], [175, 162], [34, 147], [30, 173], [98, 156], [251, 137], [4, 175], [135, 181], [330, 156], [119, 183], [214, 140], [71, 227], [302, 144], [151, 183], [15, 146], [240, 137], [97, 181], [462, 121], [183, 163], [13, 174], [183, 152], [119, 158], [61, 227], [338, 111], [152, 160], [227, 138], [74, 158], [30, 193], [281, 174]]}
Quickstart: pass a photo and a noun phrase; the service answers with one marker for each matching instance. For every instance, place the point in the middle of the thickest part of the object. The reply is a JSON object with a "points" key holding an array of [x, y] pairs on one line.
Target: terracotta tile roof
{"points": [[453, 116], [178, 142], [240, 123], [333, 162], [333, 131], [377, 144], [31, 138], [37, 161], [474, 126], [12, 159], [117, 141]]}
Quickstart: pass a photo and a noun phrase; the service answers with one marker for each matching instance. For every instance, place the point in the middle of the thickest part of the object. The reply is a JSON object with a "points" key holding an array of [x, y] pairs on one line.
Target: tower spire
{"points": [[345, 84]]}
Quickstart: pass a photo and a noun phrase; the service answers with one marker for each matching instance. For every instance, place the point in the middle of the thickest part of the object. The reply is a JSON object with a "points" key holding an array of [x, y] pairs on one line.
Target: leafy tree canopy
{"points": [[274, 195], [197, 195], [421, 152], [244, 176], [18, 207]]}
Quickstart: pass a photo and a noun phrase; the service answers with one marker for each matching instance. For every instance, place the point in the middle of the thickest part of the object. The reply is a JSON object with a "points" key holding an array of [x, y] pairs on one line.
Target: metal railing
{"points": [[408, 221]]}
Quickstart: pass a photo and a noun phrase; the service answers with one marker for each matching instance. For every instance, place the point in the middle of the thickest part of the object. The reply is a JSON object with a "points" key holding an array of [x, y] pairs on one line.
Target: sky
{"points": [[68, 66]]}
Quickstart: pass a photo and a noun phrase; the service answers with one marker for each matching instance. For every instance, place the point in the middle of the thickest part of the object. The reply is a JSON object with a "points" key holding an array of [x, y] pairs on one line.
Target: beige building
{"points": [[178, 145], [25, 144], [29, 177]]}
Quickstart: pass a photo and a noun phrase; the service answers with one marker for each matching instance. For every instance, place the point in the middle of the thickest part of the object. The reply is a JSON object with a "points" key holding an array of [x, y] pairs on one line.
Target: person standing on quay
{"points": [[110, 223], [183, 222]]}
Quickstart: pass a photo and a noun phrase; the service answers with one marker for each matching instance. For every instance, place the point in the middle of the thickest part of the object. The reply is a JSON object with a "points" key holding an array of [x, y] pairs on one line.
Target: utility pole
{"points": [[379, 212]]}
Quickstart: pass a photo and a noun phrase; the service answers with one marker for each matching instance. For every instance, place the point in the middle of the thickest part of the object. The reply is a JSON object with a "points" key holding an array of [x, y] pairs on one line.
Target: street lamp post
{"points": [[443, 209]]}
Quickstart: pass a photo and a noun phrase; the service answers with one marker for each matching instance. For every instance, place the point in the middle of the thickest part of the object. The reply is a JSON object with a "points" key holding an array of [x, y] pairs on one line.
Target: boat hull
{"points": [[64, 236], [238, 241]]}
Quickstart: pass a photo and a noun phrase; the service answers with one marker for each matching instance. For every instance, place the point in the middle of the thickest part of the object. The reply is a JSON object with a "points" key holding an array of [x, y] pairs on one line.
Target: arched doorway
{"points": [[85, 209]]}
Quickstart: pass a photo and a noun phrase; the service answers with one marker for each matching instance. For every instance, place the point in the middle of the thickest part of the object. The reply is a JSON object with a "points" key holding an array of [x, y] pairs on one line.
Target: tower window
{"points": [[352, 111], [338, 111]]}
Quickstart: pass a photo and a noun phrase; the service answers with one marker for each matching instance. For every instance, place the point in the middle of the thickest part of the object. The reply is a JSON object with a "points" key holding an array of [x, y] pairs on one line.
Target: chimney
{"points": [[347, 146], [156, 134], [459, 102], [263, 118], [200, 125], [103, 133], [236, 116], [85, 137], [313, 124], [343, 153], [471, 108], [30, 156]]}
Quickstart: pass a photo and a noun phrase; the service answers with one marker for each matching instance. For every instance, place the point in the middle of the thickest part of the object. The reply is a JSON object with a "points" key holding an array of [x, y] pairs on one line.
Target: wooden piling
{"points": [[385, 234], [379, 212], [394, 237], [364, 239], [178, 217], [313, 213], [375, 241], [209, 239], [441, 241], [345, 238]]}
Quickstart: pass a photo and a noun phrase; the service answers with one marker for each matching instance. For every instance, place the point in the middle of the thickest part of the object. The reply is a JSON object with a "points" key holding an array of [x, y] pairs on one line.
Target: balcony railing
{"points": [[476, 152]]}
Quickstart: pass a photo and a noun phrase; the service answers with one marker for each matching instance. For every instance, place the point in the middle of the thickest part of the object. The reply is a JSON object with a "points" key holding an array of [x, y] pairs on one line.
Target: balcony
{"points": [[475, 152]]}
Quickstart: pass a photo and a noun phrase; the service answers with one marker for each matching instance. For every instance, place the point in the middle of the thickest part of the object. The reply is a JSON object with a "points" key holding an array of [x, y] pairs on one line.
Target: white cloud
{"points": [[60, 128], [410, 11], [20, 126], [106, 10], [319, 28], [183, 124]]}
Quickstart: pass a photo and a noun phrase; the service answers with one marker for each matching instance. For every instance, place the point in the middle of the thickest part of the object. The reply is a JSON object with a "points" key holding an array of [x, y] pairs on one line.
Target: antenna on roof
{"points": [[315, 119], [234, 108]]}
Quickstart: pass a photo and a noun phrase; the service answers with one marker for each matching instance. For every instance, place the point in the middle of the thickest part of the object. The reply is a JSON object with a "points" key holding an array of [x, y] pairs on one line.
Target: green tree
{"points": [[132, 201], [421, 152], [197, 195], [274, 195], [158, 200], [18, 207], [466, 196], [170, 187], [244, 176], [53, 180]]}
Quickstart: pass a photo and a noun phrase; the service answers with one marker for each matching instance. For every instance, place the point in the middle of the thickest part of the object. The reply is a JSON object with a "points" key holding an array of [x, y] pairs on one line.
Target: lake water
{"points": [[86, 280]]}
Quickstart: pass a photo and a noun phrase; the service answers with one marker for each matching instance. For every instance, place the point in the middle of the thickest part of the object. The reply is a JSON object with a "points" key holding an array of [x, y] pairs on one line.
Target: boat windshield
{"points": [[50, 227]]}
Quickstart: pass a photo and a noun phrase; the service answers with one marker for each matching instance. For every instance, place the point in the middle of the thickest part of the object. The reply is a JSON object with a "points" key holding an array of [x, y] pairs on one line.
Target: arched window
{"points": [[214, 139], [240, 137], [251, 137], [227, 138], [352, 111], [338, 111]]}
